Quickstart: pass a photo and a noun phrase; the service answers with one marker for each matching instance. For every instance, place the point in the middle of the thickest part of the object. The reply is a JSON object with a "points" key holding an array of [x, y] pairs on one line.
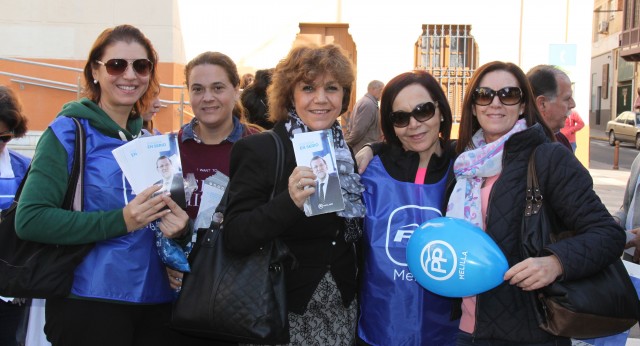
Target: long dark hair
{"points": [[469, 123]]}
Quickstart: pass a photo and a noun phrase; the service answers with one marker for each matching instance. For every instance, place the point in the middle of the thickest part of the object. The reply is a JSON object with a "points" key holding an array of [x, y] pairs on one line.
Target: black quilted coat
{"points": [[506, 312]]}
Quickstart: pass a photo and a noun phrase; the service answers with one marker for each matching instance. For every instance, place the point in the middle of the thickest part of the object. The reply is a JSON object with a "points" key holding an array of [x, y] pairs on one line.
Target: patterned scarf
{"points": [[352, 188], [471, 168]]}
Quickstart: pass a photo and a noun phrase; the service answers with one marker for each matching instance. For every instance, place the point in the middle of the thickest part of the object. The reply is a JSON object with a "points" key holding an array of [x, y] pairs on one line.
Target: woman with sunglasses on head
{"points": [[499, 129], [13, 166], [120, 293], [413, 167], [309, 90]]}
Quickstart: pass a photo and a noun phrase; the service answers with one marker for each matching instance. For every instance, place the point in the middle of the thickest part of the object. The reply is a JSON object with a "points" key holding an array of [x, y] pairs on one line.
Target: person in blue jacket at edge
{"points": [[13, 166]]}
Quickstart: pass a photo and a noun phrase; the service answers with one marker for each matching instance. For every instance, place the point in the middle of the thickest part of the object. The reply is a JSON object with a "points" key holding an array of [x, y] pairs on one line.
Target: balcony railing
{"points": [[629, 42]]}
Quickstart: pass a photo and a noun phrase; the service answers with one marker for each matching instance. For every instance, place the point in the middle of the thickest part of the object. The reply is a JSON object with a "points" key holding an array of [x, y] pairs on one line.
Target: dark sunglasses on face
{"points": [[116, 67], [6, 136], [421, 113], [508, 96]]}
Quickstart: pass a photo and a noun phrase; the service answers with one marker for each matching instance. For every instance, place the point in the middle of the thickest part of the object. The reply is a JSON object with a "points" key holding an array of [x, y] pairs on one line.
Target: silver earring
{"points": [[441, 118], [95, 81], [521, 113]]}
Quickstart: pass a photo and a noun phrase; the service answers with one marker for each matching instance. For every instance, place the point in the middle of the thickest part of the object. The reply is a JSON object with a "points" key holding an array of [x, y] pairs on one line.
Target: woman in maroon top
{"points": [[205, 143]]}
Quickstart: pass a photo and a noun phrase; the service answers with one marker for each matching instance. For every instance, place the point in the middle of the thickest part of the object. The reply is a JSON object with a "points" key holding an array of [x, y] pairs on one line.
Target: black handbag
{"points": [[35, 270], [233, 297], [603, 304]]}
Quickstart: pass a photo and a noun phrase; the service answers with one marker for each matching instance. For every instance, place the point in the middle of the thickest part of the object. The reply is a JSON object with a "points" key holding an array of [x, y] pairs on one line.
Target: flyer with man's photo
{"points": [[153, 160], [315, 149]]}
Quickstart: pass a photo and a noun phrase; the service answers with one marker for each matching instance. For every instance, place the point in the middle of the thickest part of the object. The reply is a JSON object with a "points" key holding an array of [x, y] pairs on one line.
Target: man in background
{"points": [[364, 124], [553, 96]]}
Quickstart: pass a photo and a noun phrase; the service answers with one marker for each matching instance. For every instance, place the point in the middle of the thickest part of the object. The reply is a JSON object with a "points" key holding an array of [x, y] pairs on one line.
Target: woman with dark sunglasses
{"points": [[405, 186], [499, 129], [120, 293]]}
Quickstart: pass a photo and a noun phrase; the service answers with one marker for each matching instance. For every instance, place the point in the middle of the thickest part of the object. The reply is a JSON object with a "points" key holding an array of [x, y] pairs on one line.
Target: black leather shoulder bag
{"points": [[35, 270], [233, 297], [603, 304]]}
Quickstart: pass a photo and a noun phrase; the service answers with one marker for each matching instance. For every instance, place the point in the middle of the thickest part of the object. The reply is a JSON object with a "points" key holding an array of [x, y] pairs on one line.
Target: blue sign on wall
{"points": [[562, 54]]}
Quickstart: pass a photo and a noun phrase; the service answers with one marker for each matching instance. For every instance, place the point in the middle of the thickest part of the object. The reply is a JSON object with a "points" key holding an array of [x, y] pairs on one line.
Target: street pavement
{"points": [[609, 184]]}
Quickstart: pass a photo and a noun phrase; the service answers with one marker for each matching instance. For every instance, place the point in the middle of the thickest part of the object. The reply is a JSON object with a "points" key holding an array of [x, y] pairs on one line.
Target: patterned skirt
{"points": [[326, 321]]}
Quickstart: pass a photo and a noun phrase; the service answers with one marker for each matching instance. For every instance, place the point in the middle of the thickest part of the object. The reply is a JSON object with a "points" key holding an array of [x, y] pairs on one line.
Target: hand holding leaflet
{"points": [[155, 160], [315, 150]]}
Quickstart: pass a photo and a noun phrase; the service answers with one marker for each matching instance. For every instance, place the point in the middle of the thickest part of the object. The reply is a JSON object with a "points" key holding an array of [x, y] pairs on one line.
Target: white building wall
{"points": [[258, 33], [66, 29]]}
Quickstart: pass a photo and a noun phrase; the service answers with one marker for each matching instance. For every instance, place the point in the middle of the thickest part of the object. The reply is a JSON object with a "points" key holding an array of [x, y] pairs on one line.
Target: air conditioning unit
{"points": [[603, 27]]}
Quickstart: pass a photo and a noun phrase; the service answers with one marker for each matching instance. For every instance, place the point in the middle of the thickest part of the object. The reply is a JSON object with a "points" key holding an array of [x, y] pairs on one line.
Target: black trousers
{"points": [[77, 322]]}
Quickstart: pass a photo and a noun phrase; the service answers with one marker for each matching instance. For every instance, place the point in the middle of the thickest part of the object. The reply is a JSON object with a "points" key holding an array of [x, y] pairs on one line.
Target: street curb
{"points": [[606, 139]]}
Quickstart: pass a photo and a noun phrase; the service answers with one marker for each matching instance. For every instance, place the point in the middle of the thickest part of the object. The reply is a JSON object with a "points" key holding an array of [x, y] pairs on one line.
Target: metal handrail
{"points": [[43, 85], [44, 64], [39, 79], [77, 87]]}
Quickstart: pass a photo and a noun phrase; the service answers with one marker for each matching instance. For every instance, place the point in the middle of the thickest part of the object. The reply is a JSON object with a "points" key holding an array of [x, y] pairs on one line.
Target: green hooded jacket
{"points": [[39, 216]]}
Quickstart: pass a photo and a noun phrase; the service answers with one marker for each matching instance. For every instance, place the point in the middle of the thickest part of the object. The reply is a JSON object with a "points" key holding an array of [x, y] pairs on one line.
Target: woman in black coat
{"points": [[499, 128], [310, 89]]}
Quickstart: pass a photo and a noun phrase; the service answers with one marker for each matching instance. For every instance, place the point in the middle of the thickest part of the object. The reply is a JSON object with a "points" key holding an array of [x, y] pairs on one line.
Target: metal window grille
{"points": [[449, 53]]}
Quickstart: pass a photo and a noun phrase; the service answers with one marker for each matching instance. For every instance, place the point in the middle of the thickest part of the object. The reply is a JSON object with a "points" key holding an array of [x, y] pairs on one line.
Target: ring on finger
{"points": [[299, 186]]}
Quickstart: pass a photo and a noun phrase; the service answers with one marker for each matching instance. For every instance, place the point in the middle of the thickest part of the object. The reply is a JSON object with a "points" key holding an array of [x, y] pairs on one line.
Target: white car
{"points": [[625, 128]]}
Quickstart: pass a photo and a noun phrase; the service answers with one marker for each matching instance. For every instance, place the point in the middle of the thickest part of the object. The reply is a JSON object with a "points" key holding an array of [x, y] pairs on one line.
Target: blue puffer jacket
{"points": [[506, 312]]}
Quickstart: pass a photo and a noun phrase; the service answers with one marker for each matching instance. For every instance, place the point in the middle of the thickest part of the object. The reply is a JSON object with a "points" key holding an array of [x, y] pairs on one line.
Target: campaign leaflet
{"points": [[315, 149], [153, 160], [212, 190]]}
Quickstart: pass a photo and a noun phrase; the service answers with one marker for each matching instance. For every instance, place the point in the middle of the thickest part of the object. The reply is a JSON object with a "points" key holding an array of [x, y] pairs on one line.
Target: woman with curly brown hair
{"points": [[309, 90]]}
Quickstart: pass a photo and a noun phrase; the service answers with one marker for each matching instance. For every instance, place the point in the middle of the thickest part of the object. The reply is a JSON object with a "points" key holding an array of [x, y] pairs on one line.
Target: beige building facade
{"points": [[258, 33]]}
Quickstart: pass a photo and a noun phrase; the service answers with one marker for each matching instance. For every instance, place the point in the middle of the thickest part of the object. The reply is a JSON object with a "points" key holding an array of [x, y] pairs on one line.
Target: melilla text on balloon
{"points": [[443, 247]]}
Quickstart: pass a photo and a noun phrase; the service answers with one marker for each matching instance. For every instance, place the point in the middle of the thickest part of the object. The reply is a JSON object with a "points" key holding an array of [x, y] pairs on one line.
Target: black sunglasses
{"points": [[116, 67], [421, 113], [6, 136], [508, 96]]}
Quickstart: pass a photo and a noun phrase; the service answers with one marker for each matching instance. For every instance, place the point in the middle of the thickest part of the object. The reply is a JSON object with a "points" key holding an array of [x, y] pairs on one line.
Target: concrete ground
{"points": [[609, 184]]}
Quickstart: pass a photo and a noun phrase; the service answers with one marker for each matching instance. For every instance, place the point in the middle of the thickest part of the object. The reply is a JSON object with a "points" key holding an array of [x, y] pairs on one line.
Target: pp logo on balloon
{"points": [[453, 258], [439, 260]]}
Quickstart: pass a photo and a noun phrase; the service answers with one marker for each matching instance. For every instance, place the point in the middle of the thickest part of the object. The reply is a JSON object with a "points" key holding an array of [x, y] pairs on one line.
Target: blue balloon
{"points": [[453, 258]]}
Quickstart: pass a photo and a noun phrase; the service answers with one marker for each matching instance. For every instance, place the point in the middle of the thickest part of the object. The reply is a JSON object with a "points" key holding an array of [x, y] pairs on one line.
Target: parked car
{"points": [[625, 128]]}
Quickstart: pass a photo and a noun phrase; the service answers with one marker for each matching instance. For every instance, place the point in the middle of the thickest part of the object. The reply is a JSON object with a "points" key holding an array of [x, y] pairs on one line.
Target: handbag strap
{"points": [[74, 197], [279, 160], [534, 196], [279, 171]]}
